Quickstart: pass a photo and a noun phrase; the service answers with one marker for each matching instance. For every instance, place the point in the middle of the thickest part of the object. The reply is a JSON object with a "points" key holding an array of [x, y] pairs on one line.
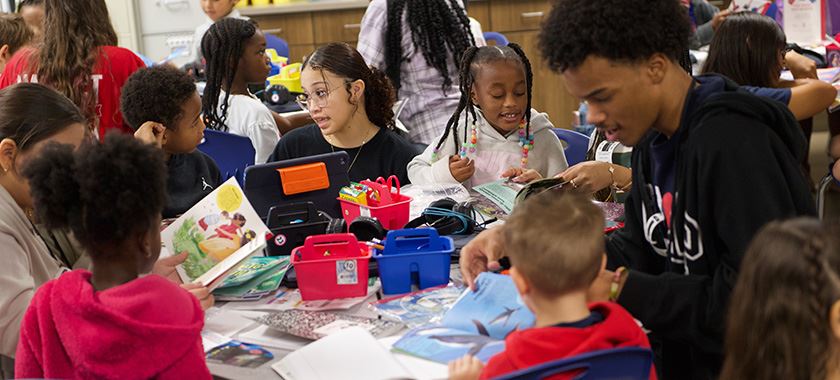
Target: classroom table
{"points": [[224, 371]]}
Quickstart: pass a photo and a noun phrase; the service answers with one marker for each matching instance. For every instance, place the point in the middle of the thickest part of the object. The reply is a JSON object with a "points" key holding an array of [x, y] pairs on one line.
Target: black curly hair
{"points": [[343, 60], [222, 47], [440, 29], [155, 94], [471, 62], [103, 193], [31, 113], [618, 30]]}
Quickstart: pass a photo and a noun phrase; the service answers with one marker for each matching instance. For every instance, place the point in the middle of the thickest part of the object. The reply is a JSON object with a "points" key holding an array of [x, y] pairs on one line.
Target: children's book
{"points": [[421, 307], [503, 195], [269, 272], [218, 233], [318, 324], [351, 354], [829, 75], [477, 323]]}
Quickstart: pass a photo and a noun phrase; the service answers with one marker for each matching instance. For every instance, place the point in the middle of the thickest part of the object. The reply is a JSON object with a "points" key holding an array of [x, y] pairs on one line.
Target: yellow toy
{"points": [[289, 77]]}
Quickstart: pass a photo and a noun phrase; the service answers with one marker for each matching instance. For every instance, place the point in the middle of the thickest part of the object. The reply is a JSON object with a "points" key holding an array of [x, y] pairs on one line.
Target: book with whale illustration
{"points": [[477, 323]]}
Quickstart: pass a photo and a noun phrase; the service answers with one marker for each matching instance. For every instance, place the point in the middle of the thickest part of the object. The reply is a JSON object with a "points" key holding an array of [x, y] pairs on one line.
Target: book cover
{"points": [[270, 274], [218, 233], [476, 324]]}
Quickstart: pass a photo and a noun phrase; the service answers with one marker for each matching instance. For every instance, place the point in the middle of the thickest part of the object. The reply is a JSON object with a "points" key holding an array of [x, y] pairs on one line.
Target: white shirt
{"points": [[248, 116]]}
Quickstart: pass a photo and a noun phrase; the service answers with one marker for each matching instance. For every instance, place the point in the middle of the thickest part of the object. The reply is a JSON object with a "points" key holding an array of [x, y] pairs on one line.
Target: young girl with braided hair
{"points": [[500, 134], [784, 315], [235, 53]]}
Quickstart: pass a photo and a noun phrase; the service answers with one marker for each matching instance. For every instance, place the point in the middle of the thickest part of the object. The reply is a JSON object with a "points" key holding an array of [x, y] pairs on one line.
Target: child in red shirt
{"points": [[84, 64], [113, 322], [552, 271]]}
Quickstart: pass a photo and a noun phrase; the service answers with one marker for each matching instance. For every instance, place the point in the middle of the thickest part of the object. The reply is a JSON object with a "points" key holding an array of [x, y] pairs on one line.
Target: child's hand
{"points": [[462, 169], [165, 266], [521, 175], [151, 133], [202, 293], [465, 368]]}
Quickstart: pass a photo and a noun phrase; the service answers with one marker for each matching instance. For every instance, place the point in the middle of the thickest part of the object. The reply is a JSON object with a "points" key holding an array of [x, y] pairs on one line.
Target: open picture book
{"points": [[498, 198], [219, 233], [477, 323]]}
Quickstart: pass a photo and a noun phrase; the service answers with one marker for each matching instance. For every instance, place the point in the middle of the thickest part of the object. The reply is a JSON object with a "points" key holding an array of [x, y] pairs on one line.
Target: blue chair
{"points": [[577, 144], [232, 153], [496, 37], [626, 363], [278, 44]]}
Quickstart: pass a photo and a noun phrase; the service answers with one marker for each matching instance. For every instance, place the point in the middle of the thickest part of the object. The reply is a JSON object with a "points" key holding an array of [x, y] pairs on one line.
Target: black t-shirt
{"points": [[384, 155], [191, 177]]}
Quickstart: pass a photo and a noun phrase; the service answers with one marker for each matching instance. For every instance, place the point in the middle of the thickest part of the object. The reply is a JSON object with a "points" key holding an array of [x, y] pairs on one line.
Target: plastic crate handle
{"points": [[428, 235]]}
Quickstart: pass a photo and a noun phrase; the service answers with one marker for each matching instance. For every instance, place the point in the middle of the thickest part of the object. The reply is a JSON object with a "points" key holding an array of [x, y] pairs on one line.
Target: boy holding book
{"points": [[555, 244]]}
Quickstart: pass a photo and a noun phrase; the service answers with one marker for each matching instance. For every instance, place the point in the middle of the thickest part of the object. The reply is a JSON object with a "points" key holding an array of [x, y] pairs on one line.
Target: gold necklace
{"points": [[364, 141]]}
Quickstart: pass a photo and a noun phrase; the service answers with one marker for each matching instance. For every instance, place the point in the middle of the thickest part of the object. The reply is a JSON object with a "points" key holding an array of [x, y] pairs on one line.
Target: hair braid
{"points": [[439, 29], [222, 47], [816, 351], [529, 81], [465, 83]]}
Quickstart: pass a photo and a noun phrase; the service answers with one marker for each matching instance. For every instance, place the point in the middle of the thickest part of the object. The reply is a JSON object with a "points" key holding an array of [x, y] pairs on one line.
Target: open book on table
{"points": [[218, 234], [477, 323], [351, 354]]}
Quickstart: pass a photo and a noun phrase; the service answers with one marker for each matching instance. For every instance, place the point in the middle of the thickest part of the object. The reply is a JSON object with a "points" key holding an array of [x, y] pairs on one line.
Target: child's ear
{"points": [[521, 283], [834, 319], [8, 152], [5, 54]]}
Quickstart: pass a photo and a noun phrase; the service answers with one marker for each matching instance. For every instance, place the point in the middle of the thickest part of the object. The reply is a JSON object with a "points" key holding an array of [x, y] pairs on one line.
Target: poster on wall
{"points": [[804, 21]]}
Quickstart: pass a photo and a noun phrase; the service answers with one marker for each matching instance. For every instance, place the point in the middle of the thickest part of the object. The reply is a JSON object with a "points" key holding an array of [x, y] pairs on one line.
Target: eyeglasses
{"points": [[319, 99]]}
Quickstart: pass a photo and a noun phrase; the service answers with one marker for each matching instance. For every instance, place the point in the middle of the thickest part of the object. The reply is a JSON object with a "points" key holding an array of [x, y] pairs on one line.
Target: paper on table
{"points": [[289, 299], [225, 322], [420, 369], [351, 355]]}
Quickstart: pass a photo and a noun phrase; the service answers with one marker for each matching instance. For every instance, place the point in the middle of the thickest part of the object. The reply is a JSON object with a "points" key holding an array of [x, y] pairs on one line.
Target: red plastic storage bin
{"points": [[331, 266], [392, 210]]}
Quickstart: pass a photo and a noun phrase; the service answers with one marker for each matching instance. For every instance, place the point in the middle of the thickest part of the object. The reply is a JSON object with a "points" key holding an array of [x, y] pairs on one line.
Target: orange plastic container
{"points": [[331, 266]]}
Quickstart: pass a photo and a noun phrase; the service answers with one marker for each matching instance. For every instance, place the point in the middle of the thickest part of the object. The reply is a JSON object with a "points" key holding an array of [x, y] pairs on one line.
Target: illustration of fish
{"points": [[504, 316], [476, 342]]}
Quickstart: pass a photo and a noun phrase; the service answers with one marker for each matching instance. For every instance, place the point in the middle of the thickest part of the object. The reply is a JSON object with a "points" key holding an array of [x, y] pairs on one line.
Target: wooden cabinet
{"points": [[295, 28], [515, 16], [480, 11], [338, 26]]}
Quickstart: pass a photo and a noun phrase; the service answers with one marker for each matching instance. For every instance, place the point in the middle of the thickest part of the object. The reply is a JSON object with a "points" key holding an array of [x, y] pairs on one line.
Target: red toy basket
{"points": [[331, 266], [392, 210]]}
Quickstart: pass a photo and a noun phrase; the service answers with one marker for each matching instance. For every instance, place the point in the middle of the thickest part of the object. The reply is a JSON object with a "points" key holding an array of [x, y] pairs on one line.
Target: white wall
{"points": [[125, 23]]}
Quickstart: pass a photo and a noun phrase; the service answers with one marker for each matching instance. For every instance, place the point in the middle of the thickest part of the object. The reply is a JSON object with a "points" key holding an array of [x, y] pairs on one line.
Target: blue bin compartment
{"points": [[414, 253]]}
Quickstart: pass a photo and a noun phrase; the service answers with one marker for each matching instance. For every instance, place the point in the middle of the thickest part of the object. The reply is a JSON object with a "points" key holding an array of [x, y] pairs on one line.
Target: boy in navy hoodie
{"points": [[711, 165], [555, 244], [163, 106]]}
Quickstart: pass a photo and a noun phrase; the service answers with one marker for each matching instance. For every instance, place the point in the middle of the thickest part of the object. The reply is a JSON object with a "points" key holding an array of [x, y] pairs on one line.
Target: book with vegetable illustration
{"points": [[477, 323], [218, 234]]}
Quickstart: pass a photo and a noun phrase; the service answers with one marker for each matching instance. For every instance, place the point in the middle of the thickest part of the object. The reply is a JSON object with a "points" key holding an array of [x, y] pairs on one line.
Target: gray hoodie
{"points": [[494, 154]]}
